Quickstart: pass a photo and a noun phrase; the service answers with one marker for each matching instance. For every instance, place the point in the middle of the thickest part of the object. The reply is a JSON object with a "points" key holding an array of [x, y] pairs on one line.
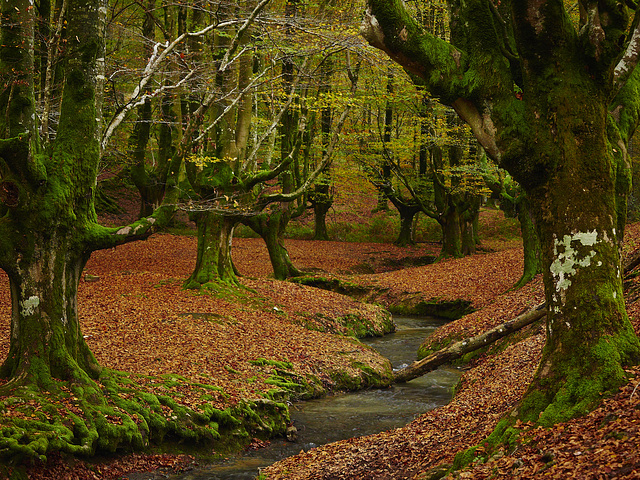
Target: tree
{"points": [[552, 100], [514, 203], [49, 226]]}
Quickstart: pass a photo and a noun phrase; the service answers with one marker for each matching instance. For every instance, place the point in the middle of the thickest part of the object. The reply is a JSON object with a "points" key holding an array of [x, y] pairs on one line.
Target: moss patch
{"points": [[126, 412], [333, 284]]}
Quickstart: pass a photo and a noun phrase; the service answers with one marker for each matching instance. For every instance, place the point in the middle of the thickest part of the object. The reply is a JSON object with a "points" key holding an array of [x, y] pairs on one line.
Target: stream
{"points": [[338, 417]]}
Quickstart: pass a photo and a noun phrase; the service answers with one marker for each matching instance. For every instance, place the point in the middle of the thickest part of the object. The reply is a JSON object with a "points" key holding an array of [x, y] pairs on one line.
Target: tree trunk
{"points": [[322, 195], [469, 226], [407, 214], [322, 202], [451, 235], [271, 228], [213, 261], [530, 243], [46, 340], [589, 337]]}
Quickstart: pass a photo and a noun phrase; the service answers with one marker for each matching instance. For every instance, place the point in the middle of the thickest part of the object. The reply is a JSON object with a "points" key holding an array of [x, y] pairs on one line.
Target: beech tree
{"points": [[553, 100], [514, 203], [48, 230]]}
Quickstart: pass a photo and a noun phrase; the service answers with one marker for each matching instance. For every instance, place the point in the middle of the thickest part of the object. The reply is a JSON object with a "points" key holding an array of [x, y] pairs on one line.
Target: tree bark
{"points": [[213, 261], [530, 243], [407, 214], [271, 229], [449, 221]]}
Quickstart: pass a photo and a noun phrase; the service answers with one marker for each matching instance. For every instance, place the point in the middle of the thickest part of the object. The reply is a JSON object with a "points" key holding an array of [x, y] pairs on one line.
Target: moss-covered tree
{"points": [[49, 230], [514, 203], [553, 100], [54, 395]]}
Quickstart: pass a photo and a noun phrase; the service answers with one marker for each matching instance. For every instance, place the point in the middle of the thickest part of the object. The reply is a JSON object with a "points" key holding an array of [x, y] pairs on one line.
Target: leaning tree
{"points": [[553, 100]]}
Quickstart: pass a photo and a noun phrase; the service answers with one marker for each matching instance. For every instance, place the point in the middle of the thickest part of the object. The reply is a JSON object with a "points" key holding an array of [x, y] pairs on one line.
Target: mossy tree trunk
{"points": [[50, 229], [213, 261], [589, 337], [270, 227], [515, 203], [407, 214], [321, 197], [450, 223], [469, 225], [564, 140], [530, 243], [322, 201], [46, 339]]}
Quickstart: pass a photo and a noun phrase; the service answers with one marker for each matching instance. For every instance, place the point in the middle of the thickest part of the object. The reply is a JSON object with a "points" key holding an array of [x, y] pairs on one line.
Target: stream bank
{"points": [[348, 415]]}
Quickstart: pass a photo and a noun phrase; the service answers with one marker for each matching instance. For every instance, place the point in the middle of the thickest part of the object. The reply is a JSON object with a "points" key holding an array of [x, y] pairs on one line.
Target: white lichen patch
{"points": [[569, 255], [124, 231], [29, 305]]}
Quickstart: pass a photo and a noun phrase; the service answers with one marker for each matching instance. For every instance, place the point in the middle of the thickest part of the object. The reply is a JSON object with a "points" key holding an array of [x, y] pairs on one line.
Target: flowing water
{"points": [[349, 415]]}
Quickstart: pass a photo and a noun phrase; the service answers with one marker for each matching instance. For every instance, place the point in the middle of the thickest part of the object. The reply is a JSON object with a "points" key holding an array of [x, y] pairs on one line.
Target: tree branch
{"points": [[458, 349], [387, 26], [98, 237], [627, 64]]}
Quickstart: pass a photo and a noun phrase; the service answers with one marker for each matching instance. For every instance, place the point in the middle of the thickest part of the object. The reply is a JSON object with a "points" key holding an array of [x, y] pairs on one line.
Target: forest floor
{"points": [[137, 319]]}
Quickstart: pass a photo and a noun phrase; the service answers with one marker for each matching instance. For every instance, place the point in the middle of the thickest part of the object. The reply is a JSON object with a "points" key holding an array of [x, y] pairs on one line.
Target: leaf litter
{"points": [[136, 318]]}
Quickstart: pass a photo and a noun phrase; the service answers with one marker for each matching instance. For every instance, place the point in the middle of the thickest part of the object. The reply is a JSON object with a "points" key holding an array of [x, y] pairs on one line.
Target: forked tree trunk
{"points": [[213, 261], [271, 228], [407, 214]]}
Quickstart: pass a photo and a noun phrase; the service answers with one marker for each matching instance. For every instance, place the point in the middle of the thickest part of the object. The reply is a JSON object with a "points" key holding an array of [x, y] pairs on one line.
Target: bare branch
{"points": [[154, 63], [276, 120], [53, 44], [224, 64], [233, 103], [628, 62]]}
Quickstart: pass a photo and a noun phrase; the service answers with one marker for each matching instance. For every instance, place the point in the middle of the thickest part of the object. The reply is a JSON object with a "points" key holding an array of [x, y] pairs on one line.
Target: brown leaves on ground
{"points": [[602, 445], [58, 468], [137, 318]]}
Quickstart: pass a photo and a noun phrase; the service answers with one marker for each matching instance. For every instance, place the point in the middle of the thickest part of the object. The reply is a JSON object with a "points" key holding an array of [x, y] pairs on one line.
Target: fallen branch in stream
{"points": [[458, 349]]}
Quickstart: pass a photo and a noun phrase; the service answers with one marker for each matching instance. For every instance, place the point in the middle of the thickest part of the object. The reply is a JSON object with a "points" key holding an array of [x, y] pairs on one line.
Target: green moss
{"points": [[464, 458], [119, 413], [334, 285], [504, 437], [428, 347], [276, 363]]}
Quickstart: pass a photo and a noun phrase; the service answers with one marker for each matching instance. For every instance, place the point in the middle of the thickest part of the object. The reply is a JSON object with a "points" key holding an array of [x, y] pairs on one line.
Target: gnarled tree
{"points": [[48, 231], [552, 100]]}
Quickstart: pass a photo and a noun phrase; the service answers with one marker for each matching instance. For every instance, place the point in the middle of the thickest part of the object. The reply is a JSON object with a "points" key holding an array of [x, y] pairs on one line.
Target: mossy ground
{"points": [[121, 412]]}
